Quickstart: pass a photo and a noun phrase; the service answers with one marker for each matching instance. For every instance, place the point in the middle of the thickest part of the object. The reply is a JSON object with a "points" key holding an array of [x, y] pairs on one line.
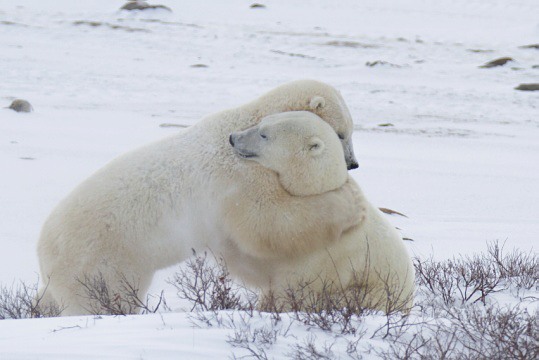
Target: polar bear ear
{"points": [[317, 102], [315, 145]]}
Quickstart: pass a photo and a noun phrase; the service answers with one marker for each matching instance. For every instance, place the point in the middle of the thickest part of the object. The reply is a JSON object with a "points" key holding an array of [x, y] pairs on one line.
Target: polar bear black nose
{"points": [[231, 140]]}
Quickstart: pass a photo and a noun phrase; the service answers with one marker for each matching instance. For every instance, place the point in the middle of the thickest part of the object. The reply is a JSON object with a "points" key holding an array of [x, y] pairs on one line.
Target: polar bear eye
{"points": [[263, 136], [341, 136]]}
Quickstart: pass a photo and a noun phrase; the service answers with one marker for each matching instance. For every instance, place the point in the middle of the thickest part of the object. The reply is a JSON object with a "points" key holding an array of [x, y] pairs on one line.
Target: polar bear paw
{"points": [[354, 204]]}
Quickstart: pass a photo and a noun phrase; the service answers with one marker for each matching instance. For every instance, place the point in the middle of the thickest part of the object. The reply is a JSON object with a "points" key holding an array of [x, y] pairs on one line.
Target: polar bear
{"points": [[307, 157], [149, 208]]}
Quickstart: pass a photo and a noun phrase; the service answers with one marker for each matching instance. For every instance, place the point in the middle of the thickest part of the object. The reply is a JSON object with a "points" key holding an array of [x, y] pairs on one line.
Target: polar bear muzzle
{"points": [[350, 158], [243, 144]]}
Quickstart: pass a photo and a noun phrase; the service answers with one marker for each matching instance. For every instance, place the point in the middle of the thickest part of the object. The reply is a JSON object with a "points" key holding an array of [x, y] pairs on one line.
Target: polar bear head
{"points": [[316, 97], [300, 147]]}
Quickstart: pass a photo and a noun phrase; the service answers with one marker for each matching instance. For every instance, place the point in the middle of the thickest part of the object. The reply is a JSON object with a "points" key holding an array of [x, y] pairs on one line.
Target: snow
{"points": [[155, 336], [460, 159]]}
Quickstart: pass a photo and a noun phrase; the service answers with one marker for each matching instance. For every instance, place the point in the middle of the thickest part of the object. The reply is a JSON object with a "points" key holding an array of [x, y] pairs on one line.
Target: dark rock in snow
{"points": [[528, 87], [20, 105], [280, 52], [170, 125], [480, 50], [257, 6], [531, 46], [351, 44], [498, 62], [142, 5], [380, 62]]}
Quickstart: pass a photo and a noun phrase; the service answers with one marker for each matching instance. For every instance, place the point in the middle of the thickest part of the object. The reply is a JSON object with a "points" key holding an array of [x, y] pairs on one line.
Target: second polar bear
{"points": [[306, 155]]}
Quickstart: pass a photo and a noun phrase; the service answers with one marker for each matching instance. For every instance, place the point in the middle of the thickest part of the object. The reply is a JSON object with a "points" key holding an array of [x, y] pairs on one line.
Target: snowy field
{"points": [[460, 156]]}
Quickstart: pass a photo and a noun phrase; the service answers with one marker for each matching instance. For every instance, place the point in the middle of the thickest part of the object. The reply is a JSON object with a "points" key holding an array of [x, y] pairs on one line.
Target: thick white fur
{"points": [[149, 208], [371, 254]]}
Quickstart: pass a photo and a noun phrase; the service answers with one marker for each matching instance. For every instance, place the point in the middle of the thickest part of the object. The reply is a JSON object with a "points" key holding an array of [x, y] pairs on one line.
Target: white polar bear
{"points": [[147, 209], [307, 157]]}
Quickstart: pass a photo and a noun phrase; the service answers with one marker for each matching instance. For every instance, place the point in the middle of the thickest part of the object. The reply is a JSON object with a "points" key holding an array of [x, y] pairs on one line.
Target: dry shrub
{"points": [[465, 325], [472, 332], [255, 341], [492, 331], [335, 307], [312, 349], [467, 279], [23, 301], [207, 285], [324, 309], [122, 300], [470, 279], [516, 267]]}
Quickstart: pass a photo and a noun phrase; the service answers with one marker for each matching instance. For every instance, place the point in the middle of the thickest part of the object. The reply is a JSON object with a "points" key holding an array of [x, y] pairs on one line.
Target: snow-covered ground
{"points": [[460, 159]]}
